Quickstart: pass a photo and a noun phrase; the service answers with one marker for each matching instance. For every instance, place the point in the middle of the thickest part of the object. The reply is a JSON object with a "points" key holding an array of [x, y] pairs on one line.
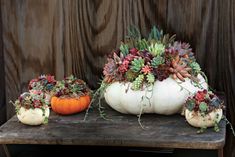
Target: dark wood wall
{"points": [[2, 83], [62, 37]]}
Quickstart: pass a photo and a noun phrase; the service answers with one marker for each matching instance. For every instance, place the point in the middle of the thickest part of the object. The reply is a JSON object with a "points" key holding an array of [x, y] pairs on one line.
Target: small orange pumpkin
{"points": [[66, 106]]}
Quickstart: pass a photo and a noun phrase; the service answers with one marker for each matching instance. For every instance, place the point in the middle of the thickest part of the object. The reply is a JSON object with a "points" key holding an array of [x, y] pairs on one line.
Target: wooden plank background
{"points": [[62, 37], [2, 83]]}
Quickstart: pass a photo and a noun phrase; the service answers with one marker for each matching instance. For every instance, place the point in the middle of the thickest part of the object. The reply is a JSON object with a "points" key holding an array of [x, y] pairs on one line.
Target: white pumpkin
{"points": [[197, 120], [33, 116], [164, 97]]}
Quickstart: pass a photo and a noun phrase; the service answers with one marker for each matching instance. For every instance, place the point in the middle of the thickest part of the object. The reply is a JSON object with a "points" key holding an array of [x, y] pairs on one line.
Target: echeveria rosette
{"points": [[71, 87], [43, 83]]}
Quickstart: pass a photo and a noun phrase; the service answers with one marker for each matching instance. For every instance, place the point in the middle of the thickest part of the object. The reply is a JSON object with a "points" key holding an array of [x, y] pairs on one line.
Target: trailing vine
{"points": [[98, 95]]}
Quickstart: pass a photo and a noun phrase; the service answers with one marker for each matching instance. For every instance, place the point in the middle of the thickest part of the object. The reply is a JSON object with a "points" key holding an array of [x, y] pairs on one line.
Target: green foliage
{"points": [[195, 67], [134, 33], [124, 49], [138, 82], [45, 121], [155, 34], [203, 107], [156, 49], [131, 75], [150, 78], [216, 127], [142, 44], [137, 64], [167, 39], [156, 61], [202, 130], [190, 105], [98, 95]]}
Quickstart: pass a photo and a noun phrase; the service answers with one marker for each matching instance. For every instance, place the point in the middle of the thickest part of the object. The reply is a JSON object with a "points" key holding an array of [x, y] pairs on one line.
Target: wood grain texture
{"points": [[226, 58], [98, 27], [2, 79], [32, 43], [122, 130], [73, 36]]}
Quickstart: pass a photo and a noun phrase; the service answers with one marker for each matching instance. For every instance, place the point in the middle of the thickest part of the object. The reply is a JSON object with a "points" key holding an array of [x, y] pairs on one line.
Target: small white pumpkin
{"points": [[164, 97], [34, 116], [197, 120]]}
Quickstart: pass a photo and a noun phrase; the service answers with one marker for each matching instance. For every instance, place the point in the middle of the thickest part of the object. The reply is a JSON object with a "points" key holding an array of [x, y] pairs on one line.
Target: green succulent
{"points": [[124, 49], [156, 61], [156, 49], [142, 44], [131, 75], [137, 64], [195, 67], [138, 82], [155, 34], [150, 78], [167, 39], [191, 105], [203, 107]]}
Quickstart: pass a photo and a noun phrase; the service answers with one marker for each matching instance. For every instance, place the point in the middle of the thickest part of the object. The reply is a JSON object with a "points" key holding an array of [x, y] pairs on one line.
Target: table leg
{"points": [[4, 150], [220, 152]]}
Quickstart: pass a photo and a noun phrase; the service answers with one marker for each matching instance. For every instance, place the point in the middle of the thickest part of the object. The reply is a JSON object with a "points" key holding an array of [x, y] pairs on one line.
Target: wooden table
{"points": [[122, 130]]}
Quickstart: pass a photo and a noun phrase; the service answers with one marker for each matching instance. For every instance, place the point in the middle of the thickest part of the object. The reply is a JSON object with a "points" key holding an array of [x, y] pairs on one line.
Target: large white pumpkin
{"points": [[34, 116], [164, 97], [197, 120]]}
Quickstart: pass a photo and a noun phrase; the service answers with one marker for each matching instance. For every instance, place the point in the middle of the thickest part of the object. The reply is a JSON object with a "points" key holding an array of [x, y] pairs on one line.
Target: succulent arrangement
{"points": [[32, 100], [204, 109], [204, 102], [43, 83], [31, 108], [143, 61], [141, 64], [70, 87]]}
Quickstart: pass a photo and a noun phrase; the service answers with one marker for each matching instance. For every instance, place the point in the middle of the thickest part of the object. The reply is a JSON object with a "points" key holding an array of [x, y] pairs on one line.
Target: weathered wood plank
{"points": [[226, 65], [196, 22], [2, 79], [64, 37], [32, 37], [94, 28], [123, 130]]}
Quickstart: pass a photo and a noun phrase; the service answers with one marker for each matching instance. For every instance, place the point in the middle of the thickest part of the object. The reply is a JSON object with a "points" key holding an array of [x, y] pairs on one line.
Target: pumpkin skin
{"points": [[32, 116], [197, 120], [67, 106], [166, 98]]}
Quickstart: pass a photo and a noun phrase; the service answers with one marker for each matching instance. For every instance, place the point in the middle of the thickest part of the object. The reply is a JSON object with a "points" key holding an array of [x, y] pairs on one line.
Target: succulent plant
{"points": [[137, 84], [142, 44], [110, 70], [156, 61], [155, 34], [156, 49], [150, 78], [195, 68], [179, 69], [162, 72], [146, 69], [137, 64], [124, 49], [131, 75]]}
